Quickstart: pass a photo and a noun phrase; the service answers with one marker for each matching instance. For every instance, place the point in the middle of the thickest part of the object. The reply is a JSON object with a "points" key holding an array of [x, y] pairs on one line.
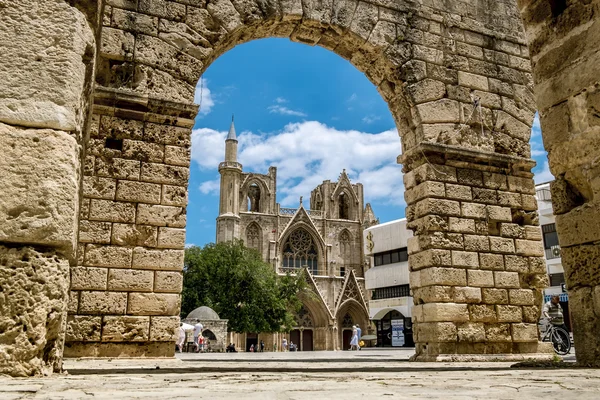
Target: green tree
{"points": [[234, 281]]}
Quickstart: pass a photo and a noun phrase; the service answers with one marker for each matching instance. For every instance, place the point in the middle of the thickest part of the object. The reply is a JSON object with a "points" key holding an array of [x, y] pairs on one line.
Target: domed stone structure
{"points": [[214, 328], [203, 313]]}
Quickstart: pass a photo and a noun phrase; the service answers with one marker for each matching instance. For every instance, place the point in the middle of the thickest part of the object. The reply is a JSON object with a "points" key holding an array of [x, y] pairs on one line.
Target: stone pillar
{"points": [[476, 261], [563, 42], [46, 70], [125, 290]]}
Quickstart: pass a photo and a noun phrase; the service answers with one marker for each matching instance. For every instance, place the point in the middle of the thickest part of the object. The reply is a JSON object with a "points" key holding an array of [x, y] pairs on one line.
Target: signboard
{"points": [[397, 332]]}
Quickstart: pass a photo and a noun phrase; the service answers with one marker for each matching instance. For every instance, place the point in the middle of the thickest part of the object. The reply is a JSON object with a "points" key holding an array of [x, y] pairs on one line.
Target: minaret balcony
{"points": [[230, 165]]}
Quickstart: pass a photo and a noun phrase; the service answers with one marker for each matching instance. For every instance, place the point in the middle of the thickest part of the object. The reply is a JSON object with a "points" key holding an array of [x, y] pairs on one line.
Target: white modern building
{"points": [[386, 280], [554, 266]]}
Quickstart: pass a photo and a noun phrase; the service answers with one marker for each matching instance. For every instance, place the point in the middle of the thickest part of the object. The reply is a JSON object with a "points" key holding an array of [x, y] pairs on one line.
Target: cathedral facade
{"points": [[323, 240]]}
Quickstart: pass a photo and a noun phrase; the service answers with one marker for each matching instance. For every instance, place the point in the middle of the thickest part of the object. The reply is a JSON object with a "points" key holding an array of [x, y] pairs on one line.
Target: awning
{"points": [[564, 297]]}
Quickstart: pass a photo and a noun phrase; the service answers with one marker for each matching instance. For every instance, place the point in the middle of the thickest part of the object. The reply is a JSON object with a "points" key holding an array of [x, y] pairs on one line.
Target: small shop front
{"points": [[394, 330]]}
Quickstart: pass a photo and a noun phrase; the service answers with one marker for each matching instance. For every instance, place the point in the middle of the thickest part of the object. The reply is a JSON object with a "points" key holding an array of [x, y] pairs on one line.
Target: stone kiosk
{"points": [[96, 111], [215, 328]]}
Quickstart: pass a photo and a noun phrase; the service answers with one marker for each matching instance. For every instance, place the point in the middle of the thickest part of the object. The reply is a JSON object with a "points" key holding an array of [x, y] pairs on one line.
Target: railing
{"points": [[230, 164], [315, 213], [291, 211], [553, 252]]}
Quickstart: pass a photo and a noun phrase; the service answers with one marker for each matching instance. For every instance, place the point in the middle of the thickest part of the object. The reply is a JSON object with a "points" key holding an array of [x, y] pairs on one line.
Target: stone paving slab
{"points": [[317, 375]]}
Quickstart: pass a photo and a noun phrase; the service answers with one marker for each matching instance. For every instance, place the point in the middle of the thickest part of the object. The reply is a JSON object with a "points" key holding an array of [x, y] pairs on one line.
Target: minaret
{"points": [[228, 221]]}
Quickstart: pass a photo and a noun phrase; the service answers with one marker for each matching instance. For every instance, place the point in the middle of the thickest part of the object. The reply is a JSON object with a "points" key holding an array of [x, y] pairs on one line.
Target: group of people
{"points": [[257, 348], [200, 342], [355, 340], [284, 345]]}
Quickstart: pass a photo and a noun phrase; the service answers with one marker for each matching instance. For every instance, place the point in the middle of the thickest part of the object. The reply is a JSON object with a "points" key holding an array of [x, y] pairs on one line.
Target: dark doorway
{"points": [[307, 340], [346, 338], [394, 330], [295, 337], [251, 339]]}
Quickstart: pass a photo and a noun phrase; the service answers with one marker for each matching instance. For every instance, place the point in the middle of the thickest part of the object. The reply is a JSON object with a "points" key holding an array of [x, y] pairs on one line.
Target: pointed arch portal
{"points": [[457, 82]]}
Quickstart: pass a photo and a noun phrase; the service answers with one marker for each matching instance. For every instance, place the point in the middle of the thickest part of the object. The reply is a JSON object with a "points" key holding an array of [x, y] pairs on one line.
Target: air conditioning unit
{"points": [[555, 251]]}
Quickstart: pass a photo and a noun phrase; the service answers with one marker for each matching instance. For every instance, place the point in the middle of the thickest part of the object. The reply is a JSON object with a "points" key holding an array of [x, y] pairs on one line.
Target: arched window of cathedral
{"points": [[299, 251], [344, 206], [254, 198], [303, 318], [318, 201], [345, 246], [347, 321], [253, 236]]}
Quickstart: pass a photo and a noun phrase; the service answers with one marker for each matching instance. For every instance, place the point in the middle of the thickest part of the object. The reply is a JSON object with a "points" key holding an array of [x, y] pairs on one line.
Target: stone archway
{"points": [[457, 81]]}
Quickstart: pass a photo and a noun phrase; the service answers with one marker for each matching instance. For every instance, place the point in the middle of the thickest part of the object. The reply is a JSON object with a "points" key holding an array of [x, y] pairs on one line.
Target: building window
{"points": [[300, 251], [557, 279], [344, 207], [389, 257], [253, 236], [254, 198], [391, 292], [551, 245]]}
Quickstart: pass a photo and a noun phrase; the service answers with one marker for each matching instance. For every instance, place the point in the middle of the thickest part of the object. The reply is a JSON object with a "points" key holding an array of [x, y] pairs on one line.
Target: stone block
{"points": [[94, 232], [512, 230], [529, 202], [427, 172], [428, 223], [73, 302], [431, 258], [174, 196], [482, 313], [531, 248], [88, 278], [473, 81], [132, 21], [168, 134], [436, 332], [102, 302], [466, 294], [461, 225], [438, 207], [493, 180], [130, 280], [443, 276], [39, 180], [164, 329], [158, 259], [441, 312], [113, 211], [533, 232], [494, 296], [171, 238], [125, 328], [33, 310], [107, 256], [524, 332], [159, 215], [531, 314], [465, 259], [506, 279], [168, 281], [154, 304], [476, 243], [163, 173], [517, 264], [500, 214], [471, 332], [118, 168], [487, 196], [479, 278], [490, 261], [426, 90], [498, 332], [83, 328], [120, 128], [521, 185], [175, 155], [134, 235], [143, 151], [116, 44], [521, 297], [473, 210], [458, 192], [424, 190], [96, 187], [537, 265], [139, 192], [502, 245], [509, 313]]}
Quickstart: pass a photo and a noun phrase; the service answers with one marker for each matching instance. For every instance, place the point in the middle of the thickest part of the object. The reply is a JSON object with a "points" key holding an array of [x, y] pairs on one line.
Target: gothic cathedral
{"points": [[324, 240]]}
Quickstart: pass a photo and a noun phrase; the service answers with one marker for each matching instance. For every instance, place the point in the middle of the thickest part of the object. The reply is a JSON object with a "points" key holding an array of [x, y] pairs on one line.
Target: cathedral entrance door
{"points": [[295, 337], [346, 338], [307, 340]]}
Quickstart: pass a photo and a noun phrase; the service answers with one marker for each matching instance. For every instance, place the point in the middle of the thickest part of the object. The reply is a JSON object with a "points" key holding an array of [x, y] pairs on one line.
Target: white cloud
{"points": [[203, 97], [285, 111], [536, 129], [352, 98], [544, 175], [369, 119], [308, 153], [280, 100]]}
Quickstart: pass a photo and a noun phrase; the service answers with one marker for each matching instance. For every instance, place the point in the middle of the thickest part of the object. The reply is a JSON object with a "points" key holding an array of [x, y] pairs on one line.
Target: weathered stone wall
{"points": [[563, 39], [47, 70], [124, 298], [455, 75]]}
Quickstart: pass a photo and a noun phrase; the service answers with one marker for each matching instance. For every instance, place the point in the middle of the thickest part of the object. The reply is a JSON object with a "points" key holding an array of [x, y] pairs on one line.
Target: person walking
{"points": [[180, 338], [262, 346], [284, 344], [354, 340], [197, 334], [359, 333], [252, 348]]}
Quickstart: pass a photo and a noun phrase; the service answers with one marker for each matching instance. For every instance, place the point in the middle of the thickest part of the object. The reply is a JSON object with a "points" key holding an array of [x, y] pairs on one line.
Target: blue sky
{"points": [[306, 111]]}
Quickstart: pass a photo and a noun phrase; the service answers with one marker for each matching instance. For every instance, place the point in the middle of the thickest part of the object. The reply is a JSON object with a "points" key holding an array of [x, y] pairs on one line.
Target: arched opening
{"points": [[254, 236], [343, 206], [254, 198], [299, 250]]}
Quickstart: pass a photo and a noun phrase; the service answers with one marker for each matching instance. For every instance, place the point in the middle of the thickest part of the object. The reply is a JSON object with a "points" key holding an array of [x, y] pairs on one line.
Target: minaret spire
{"points": [[231, 135]]}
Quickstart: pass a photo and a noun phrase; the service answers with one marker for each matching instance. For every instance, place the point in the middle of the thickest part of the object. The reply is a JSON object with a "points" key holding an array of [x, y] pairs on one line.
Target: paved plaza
{"points": [[315, 375]]}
